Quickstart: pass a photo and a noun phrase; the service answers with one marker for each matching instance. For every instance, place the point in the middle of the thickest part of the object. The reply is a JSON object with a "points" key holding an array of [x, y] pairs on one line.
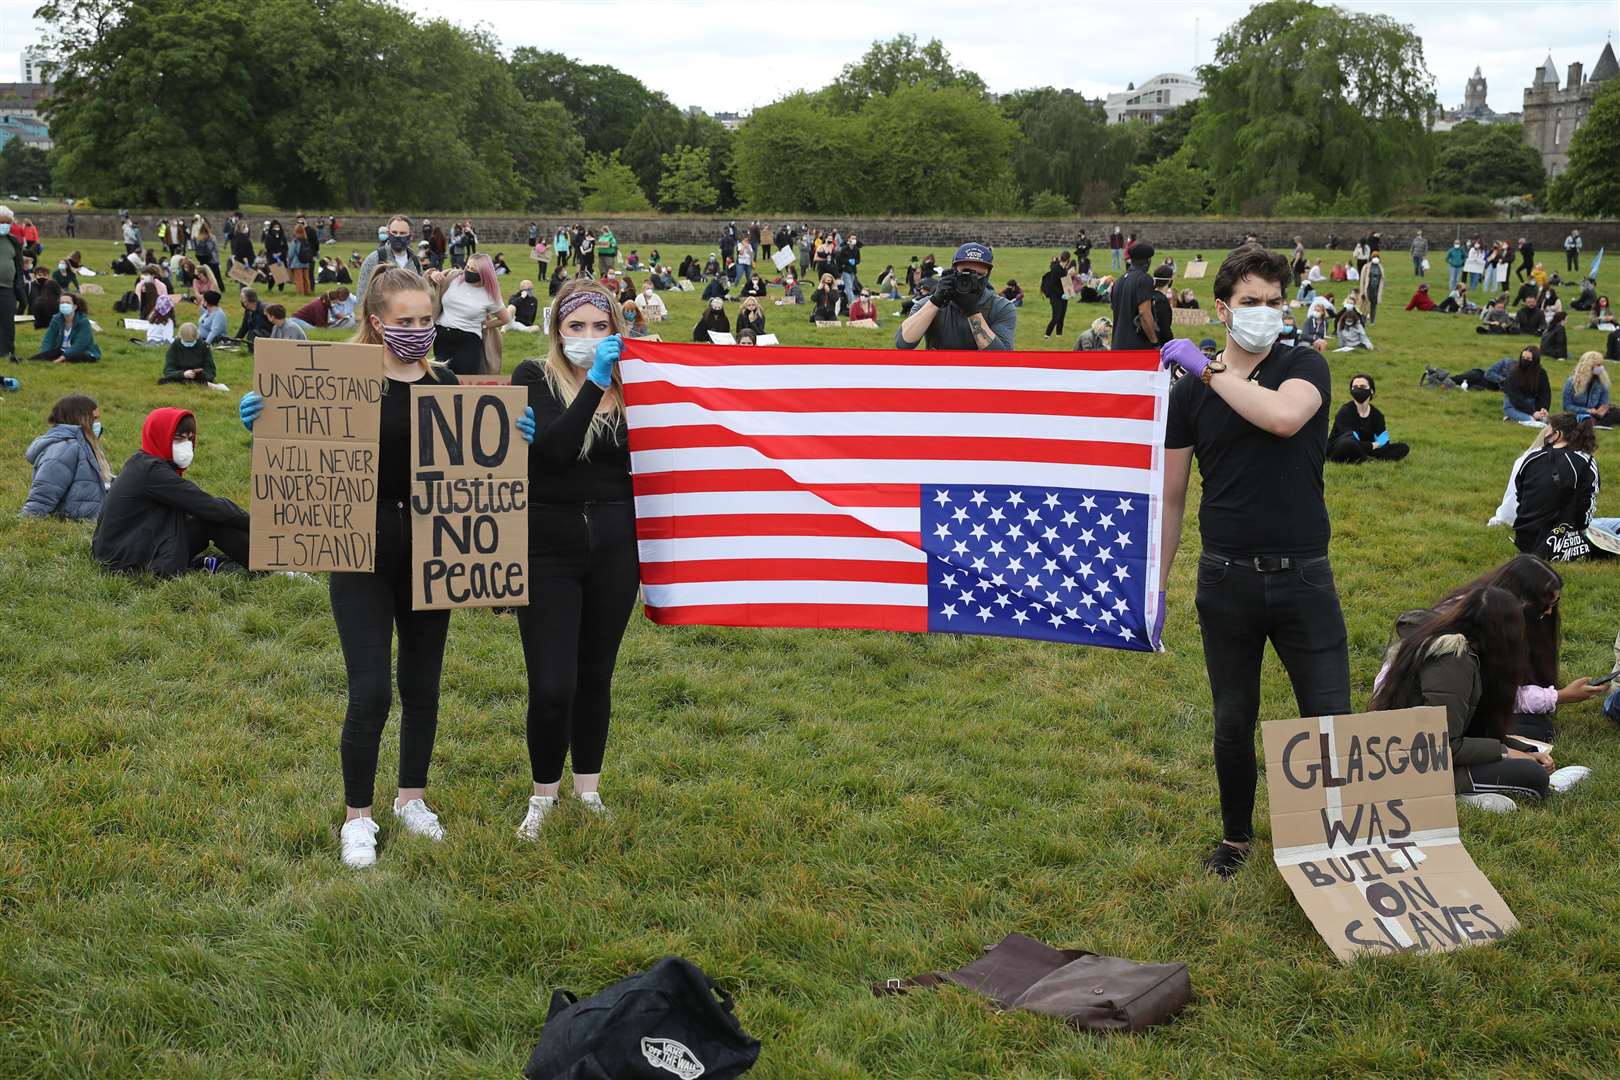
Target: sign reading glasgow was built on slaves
{"points": [[469, 497], [315, 455], [1364, 831]]}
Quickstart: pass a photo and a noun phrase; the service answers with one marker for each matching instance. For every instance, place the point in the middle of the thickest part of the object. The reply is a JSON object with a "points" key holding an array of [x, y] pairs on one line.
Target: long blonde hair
{"points": [[564, 379], [387, 282], [1581, 377]]}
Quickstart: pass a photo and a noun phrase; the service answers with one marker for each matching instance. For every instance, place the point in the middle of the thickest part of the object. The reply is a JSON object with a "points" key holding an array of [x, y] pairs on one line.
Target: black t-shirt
{"points": [[394, 433], [528, 307], [1262, 493], [558, 476], [1349, 421], [1127, 296]]}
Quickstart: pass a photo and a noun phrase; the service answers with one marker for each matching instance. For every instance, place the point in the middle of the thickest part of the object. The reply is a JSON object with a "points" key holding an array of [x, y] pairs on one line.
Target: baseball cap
{"points": [[1141, 251], [974, 252], [1208, 343]]}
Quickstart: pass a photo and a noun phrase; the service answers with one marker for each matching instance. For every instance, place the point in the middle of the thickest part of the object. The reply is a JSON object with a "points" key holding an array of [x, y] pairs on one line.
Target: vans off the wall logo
{"points": [[671, 1056]]}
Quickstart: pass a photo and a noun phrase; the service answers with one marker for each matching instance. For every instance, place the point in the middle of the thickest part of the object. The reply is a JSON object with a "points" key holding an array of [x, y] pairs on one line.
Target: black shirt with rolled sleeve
{"points": [[1127, 296], [1262, 494], [558, 476]]}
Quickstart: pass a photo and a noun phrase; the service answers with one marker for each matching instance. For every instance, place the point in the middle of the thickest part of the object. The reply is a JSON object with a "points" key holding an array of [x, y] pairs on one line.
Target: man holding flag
{"points": [[1256, 418]]}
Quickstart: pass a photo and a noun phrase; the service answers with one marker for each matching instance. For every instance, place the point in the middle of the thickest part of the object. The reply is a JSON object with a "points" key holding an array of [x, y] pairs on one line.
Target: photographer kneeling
{"points": [[962, 312]]}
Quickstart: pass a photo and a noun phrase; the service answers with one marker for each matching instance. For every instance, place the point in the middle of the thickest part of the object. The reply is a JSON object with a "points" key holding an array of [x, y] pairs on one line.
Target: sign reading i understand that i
{"points": [[315, 455], [469, 497], [1364, 831]]}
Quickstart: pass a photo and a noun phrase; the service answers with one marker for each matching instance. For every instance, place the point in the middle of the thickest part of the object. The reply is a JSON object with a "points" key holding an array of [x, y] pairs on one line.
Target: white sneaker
{"points": [[1490, 801], [359, 839], [418, 819], [539, 807], [592, 801], [1563, 779]]}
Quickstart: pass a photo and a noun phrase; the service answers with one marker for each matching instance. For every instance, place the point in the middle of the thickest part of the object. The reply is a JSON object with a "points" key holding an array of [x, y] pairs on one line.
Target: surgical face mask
{"points": [[1255, 329], [382, 235], [189, 344], [5, 228], [580, 351], [65, 308], [61, 266], [183, 452], [1360, 393], [96, 428]]}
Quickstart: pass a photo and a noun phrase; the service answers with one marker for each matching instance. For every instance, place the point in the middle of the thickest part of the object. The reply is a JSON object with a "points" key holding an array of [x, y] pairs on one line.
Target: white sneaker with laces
{"points": [[539, 807], [358, 838], [1490, 801], [592, 801], [418, 819], [1563, 779]]}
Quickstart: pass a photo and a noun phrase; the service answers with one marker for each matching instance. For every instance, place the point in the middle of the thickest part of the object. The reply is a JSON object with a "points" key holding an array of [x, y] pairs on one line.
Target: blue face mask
{"points": [[5, 228], [65, 308], [96, 427], [188, 344]]}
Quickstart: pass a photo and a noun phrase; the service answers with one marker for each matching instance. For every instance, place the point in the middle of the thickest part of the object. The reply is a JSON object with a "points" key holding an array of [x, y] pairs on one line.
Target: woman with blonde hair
{"points": [[826, 300], [371, 607], [750, 316], [583, 565], [1586, 391]]}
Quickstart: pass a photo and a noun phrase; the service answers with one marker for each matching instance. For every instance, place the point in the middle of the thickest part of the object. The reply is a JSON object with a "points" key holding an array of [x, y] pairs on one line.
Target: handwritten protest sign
{"points": [[1364, 831], [1195, 269], [242, 274], [783, 258], [469, 497], [315, 455], [1188, 317]]}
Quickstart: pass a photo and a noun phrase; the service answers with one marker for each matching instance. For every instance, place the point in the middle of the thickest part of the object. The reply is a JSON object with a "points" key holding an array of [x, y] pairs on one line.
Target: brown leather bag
{"points": [[1088, 991]]}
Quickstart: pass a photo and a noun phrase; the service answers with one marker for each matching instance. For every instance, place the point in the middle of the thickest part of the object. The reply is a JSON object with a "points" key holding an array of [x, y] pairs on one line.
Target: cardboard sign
{"points": [[137, 324], [783, 259], [469, 497], [280, 274], [1189, 316], [1364, 831], [764, 339], [242, 275], [862, 324], [1196, 269], [720, 337], [88, 289], [826, 323], [315, 455]]}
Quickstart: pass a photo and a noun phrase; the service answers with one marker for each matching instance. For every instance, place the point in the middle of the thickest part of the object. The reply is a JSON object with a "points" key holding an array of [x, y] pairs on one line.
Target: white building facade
{"points": [[1153, 99]]}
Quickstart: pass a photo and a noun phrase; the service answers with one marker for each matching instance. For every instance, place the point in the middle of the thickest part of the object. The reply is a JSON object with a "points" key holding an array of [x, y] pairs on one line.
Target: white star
{"points": [[1088, 601], [1015, 531], [984, 614], [1085, 570], [1049, 566], [1107, 617], [1124, 506], [1032, 549], [967, 596], [960, 515], [1102, 587], [1051, 500], [960, 548], [1069, 518], [1087, 536], [1104, 556], [1121, 572], [1068, 552], [1105, 521], [1020, 618], [942, 530], [1071, 614], [1068, 583], [1037, 605], [1122, 539], [996, 548], [1015, 499], [949, 581], [1033, 516], [1049, 535], [1001, 600], [977, 532], [978, 499], [941, 498], [1051, 598], [978, 566], [997, 580], [1015, 565], [949, 611], [1120, 606], [996, 515], [1032, 581], [1092, 627], [1088, 503], [1125, 632], [1056, 620]]}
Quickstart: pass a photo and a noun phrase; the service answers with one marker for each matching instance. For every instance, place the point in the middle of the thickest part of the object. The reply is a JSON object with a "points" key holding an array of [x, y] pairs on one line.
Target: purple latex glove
{"points": [[1184, 352]]}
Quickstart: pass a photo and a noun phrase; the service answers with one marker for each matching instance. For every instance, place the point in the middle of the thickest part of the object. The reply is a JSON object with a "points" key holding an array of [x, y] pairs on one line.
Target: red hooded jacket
{"points": [[157, 433]]}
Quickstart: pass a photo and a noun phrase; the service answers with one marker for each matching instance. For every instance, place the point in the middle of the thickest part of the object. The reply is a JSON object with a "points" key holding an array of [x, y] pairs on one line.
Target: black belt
{"points": [[1267, 564]]}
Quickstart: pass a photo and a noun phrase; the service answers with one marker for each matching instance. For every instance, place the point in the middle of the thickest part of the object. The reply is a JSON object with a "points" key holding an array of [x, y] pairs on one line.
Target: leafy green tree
{"points": [[606, 104], [1485, 159], [1313, 99], [1173, 186], [889, 66], [933, 151], [1049, 204], [1063, 143], [1590, 186], [1165, 137], [685, 187], [610, 185], [24, 168], [785, 155]]}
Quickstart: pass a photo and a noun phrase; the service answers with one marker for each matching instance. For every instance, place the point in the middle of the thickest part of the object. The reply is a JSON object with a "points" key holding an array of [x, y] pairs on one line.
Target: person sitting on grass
{"points": [[755, 286], [1359, 433], [864, 308], [1496, 320], [1352, 328], [1099, 336], [1529, 319], [1468, 659], [1587, 298], [44, 297], [1602, 316], [635, 323], [792, 294], [1554, 495], [716, 289], [1421, 299], [282, 327], [1586, 391], [713, 318], [211, 324], [1457, 302], [523, 308], [1012, 291], [650, 304], [826, 299], [158, 522], [1526, 394], [71, 474], [747, 337], [750, 316], [189, 359], [69, 339], [1555, 341]]}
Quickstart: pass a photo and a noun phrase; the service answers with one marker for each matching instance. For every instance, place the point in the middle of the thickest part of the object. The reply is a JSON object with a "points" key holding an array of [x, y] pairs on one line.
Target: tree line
{"points": [[1308, 110]]}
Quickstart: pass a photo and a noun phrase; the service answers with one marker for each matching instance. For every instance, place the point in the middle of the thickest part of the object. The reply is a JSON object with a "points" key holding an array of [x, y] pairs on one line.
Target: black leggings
{"points": [[1518, 778], [368, 608], [1352, 451], [1060, 308], [583, 577], [230, 539]]}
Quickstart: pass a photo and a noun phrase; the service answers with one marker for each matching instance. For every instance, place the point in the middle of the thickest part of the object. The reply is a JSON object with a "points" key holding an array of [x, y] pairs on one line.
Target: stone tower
{"points": [[1553, 112], [1474, 95]]}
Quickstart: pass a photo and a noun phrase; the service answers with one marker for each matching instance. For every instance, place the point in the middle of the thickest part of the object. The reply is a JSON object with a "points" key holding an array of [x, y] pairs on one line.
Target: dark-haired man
{"points": [[1135, 326], [962, 311], [1256, 418]]}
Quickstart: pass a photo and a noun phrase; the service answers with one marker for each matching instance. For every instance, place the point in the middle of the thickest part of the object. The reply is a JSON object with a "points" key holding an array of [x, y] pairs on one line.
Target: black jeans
{"points": [[461, 352], [1517, 778], [368, 609], [583, 575], [8, 323], [1060, 308], [1239, 610], [230, 539]]}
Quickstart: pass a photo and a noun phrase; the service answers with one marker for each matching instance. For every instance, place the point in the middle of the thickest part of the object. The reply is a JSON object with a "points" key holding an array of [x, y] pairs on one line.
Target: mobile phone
{"points": [[1605, 680]]}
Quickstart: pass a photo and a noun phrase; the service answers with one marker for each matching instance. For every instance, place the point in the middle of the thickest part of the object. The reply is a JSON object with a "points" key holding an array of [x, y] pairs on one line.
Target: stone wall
{"points": [[358, 231]]}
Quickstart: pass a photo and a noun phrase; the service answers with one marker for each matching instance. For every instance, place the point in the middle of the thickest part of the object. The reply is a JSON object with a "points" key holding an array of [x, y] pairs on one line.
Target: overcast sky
{"points": [[726, 55]]}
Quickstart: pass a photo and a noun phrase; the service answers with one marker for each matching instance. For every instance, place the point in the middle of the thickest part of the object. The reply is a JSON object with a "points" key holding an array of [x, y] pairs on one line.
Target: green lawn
{"points": [[799, 812]]}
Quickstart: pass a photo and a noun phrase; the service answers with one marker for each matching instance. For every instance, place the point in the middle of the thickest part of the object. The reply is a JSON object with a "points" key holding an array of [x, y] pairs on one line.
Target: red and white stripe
{"points": [[781, 486]]}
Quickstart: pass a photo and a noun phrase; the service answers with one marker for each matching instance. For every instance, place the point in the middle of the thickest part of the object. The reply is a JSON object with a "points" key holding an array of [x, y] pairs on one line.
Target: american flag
{"points": [[1010, 493]]}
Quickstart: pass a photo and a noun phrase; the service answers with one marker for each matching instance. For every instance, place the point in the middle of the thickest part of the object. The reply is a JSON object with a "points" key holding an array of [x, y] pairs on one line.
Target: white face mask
{"points": [[580, 351], [1255, 329], [184, 453]]}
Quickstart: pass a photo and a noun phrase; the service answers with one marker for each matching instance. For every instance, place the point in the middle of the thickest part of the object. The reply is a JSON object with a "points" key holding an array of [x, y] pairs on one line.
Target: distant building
{"points": [[729, 120], [1153, 99], [21, 116], [1473, 108], [37, 65], [1553, 114], [32, 132]]}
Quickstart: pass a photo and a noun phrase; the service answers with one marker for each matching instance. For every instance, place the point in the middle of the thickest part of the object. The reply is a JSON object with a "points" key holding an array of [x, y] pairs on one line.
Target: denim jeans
{"points": [[1113, 258], [1239, 610], [1455, 276], [1514, 414], [1417, 265], [849, 284]]}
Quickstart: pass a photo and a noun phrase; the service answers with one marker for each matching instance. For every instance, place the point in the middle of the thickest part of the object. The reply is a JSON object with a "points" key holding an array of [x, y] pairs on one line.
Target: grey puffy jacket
{"points": [[67, 479]]}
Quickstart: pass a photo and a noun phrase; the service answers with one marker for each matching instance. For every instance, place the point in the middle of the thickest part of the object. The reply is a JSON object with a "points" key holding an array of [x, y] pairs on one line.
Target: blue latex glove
{"points": [[607, 354], [1184, 352], [1382, 439], [249, 408], [525, 424]]}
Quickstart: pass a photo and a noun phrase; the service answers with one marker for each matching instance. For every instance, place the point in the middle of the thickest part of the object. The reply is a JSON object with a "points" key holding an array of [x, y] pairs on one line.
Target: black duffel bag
{"points": [[670, 1020]]}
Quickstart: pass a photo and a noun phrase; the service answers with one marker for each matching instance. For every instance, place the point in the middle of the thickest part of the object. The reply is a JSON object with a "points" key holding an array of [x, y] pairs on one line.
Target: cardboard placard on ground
{"points": [[469, 497], [825, 323], [1196, 269], [315, 455], [1364, 831], [89, 289], [1188, 316], [863, 324], [720, 337]]}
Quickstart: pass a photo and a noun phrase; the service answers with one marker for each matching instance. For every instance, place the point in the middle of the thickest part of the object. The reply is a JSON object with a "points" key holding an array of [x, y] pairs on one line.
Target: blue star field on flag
{"points": [[1059, 564]]}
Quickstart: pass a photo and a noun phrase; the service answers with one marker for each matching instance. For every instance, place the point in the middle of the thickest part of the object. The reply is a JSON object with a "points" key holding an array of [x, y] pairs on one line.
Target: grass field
{"points": [[801, 813]]}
